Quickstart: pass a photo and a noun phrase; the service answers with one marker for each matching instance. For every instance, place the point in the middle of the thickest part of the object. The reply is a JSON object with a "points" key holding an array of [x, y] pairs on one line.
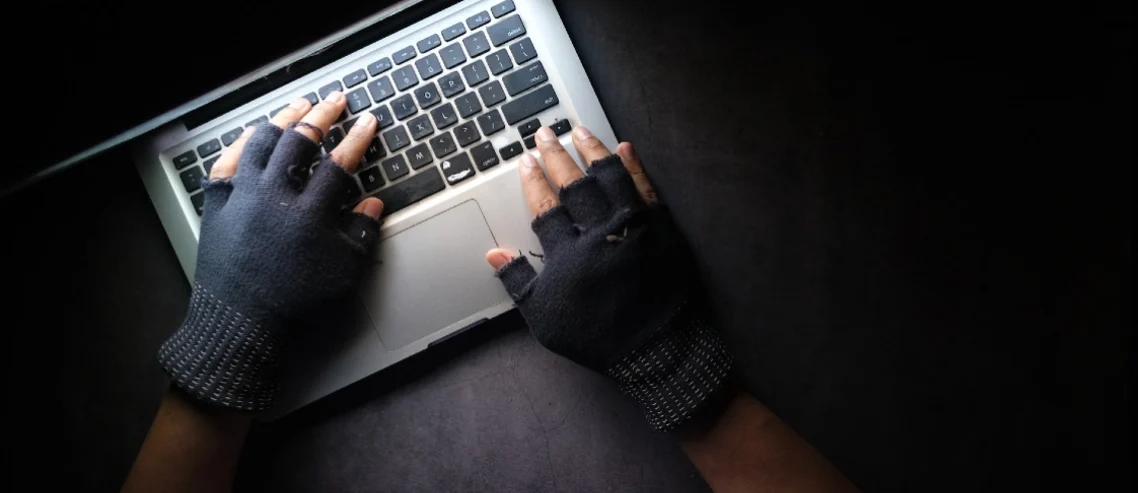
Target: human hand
{"points": [[274, 249], [618, 292]]}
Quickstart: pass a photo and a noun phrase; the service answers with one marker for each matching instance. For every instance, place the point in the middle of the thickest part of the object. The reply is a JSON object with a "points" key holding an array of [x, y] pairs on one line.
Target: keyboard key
{"points": [[511, 151], [419, 156], [467, 133], [355, 78], [424, 184], [396, 168], [312, 99], [383, 117], [530, 104], [381, 89], [428, 95], [560, 127], [444, 116], [468, 105], [185, 159], [351, 192], [371, 178], [210, 147], [457, 168], [333, 139], [429, 44], [475, 73], [198, 200], [273, 114], [420, 127], [374, 151], [403, 55], [523, 51], [396, 139], [477, 20], [484, 156], [429, 66], [476, 44], [506, 29], [502, 8], [524, 78], [443, 145], [405, 78], [257, 121], [454, 31], [380, 66], [451, 84], [453, 55], [492, 94], [499, 62], [529, 142], [528, 128], [491, 123], [192, 178], [328, 89], [358, 100], [403, 106], [208, 164]]}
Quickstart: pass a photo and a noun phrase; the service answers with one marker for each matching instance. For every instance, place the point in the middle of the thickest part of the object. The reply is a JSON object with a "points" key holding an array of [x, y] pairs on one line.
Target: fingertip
{"points": [[624, 149], [498, 258], [371, 207], [529, 163]]}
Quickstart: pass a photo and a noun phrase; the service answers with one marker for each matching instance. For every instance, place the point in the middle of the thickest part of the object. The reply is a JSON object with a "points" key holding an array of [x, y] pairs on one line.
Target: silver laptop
{"points": [[458, 94]]}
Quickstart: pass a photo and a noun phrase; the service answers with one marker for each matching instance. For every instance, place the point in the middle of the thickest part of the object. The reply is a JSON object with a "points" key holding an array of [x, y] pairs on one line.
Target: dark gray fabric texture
{"points": [[274, 246], [618, 282]]}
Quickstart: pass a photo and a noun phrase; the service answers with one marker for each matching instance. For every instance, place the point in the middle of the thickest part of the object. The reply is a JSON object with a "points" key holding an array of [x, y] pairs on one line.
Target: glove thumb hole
{"points": [[361, 228], [516, 276]]}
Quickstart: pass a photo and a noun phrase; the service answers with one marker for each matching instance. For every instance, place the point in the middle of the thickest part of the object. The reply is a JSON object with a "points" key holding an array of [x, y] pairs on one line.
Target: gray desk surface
{"points": [[896, 277]]}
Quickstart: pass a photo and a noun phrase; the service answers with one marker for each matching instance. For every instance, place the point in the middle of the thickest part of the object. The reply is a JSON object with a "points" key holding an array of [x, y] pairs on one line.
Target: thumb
{"points": [[498, 258]]}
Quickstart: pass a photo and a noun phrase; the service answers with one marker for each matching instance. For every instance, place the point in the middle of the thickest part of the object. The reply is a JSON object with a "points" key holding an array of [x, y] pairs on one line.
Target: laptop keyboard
{"points": [[435, 102]]}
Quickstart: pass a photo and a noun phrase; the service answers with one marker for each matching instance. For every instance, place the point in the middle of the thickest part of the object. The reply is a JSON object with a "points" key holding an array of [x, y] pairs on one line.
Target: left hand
{"points": [[275, 248]]}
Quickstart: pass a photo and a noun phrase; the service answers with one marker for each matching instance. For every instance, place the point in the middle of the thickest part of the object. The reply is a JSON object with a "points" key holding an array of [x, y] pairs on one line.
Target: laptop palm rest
{"points": [[430, 276]]}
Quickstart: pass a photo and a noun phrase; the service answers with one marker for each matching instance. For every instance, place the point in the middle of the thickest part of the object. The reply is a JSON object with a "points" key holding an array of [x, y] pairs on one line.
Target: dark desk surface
{"points": [[902, 274]]}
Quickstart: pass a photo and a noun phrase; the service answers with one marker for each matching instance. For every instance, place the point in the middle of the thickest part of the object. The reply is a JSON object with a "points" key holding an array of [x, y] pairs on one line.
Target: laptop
{"points": [[459, 88]]}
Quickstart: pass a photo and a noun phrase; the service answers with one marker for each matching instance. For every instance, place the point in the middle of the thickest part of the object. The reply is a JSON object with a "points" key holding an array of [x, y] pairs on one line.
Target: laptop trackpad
{"points": [[431, 276]]}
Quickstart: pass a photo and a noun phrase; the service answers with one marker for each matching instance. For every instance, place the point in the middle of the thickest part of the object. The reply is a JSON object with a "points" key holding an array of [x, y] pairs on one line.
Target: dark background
{"points": [[915, 226]]}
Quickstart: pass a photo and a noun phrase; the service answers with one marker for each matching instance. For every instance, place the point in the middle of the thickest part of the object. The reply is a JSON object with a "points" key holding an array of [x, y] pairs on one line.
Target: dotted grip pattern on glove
{"points": [[221, 357], [674, 374]]}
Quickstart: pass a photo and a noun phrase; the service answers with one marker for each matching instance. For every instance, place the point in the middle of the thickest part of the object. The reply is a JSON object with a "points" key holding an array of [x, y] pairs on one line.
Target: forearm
{"points": [[745, 447], [189, 449]]}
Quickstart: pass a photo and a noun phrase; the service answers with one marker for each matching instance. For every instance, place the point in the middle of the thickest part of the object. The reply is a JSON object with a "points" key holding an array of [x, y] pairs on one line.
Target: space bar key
{"points": [[418, 187]]}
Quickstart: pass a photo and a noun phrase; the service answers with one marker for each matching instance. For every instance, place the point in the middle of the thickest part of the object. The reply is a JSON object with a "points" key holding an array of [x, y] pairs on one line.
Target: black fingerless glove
{"points": [[618, 295], [274, 247]]}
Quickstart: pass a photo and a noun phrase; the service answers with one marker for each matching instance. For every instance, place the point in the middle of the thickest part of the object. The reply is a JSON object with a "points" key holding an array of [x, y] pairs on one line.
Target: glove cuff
{"points": [[221, 357], [676, 373]]}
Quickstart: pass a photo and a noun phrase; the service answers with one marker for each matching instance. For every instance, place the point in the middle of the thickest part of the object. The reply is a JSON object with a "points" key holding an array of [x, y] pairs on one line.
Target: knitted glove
{"points": [[274, 247], [617, 295]]}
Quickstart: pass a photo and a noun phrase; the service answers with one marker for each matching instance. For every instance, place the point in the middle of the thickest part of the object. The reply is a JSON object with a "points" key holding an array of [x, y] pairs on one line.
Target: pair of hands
{"points": [[615, 295]]}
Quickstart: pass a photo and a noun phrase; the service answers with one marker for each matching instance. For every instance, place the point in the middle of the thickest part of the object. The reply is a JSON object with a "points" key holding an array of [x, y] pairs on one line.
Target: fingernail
{"points": [[544, 134], [299, 104], [335, 97], [373, 208], [583, 133], [366, 119], [528, 160], [248, 131]]}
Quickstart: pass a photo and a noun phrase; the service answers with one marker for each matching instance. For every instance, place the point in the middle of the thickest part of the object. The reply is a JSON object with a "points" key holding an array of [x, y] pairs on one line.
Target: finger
{"points": [[535, 187], [636, 170], [498, 258], [291, 113], [322, 116], [589, 146], [562, 169], [371, 207], [349, 152], [226, 165]]}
